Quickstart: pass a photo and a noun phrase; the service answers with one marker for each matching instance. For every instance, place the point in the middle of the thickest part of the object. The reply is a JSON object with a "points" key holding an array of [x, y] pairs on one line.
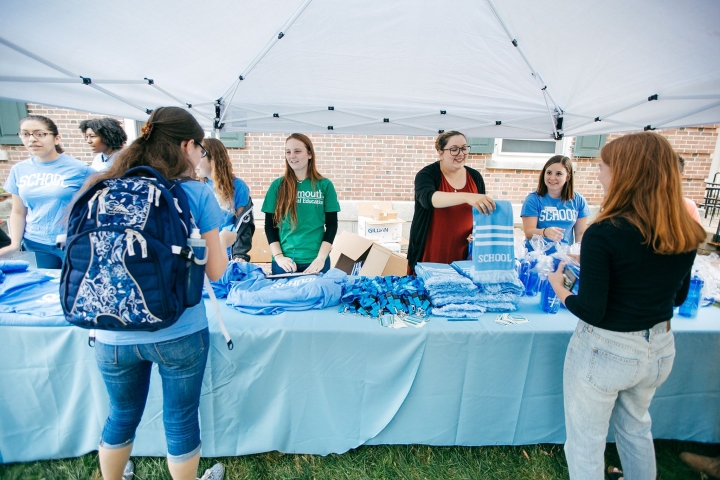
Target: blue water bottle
{"points": [[549, 302], [689, 308], [196, 269], [531, 279]]}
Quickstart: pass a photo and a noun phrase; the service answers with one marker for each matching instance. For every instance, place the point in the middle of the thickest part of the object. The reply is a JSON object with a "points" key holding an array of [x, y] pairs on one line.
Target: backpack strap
{"points": [[211, 293]]}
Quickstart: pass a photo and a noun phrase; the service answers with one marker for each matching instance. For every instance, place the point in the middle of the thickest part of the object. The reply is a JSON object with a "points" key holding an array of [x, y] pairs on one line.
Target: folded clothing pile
{"points": [[374, 296], [452, 294], [248, 290], [495, 297]]}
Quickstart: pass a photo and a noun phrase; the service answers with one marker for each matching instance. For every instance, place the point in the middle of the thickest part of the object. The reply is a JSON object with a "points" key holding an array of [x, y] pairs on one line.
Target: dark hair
{"points": [[110, 131], [442, 139], [287, 193], [48, 123], [681, 162], [222, 174], [568, 191], [159, 146]]}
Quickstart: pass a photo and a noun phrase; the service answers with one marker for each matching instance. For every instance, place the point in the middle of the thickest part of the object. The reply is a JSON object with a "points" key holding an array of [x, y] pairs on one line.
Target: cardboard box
{"points": [[348, 249], [381, 231], [260, 251], [377, 210]]}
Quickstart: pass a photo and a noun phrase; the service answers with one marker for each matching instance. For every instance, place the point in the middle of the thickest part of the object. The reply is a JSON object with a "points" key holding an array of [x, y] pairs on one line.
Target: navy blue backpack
{"points": [[126, 264]]}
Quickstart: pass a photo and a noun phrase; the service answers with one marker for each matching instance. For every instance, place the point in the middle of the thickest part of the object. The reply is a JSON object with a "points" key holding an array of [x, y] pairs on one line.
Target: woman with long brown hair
{"points": [[636, 262], [233, 196], [300, 212], [555, 210], [170, 144]]}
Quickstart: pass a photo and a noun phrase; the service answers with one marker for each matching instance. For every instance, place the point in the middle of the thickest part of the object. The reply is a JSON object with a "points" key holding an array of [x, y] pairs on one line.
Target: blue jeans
{"points": [[46, 256], [612, 377], [301, 267], [126, 371]]}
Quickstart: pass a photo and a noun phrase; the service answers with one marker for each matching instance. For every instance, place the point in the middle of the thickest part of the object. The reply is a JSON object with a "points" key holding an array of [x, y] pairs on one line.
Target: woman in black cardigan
{"points": [[445, 192]]}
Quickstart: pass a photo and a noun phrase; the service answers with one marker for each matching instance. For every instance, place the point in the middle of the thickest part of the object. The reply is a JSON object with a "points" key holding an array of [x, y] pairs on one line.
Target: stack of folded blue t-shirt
{"points": [[495, 297], [452, 295], [247, 290]]}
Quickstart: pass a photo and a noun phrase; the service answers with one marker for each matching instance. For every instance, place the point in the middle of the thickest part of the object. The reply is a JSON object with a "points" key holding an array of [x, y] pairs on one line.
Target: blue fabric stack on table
{"points": [[451, 294], [247, 290], [495, 297], [29, 297]]}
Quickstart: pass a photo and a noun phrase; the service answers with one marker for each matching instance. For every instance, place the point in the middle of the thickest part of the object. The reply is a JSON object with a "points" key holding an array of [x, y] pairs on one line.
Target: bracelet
{"points": [[544, 231], [278, 255]]}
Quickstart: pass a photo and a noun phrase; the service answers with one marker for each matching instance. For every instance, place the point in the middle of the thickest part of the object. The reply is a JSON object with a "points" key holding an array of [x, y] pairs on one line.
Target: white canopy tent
{"points": [[490, 68]]}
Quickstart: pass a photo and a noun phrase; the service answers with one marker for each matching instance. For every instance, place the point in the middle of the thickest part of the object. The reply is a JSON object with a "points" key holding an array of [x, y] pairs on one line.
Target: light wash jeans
{"points": [[612, 376]]}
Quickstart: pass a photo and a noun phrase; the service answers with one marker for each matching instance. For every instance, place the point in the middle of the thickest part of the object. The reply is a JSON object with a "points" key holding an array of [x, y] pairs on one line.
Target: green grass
{"points": [[409, 462]]}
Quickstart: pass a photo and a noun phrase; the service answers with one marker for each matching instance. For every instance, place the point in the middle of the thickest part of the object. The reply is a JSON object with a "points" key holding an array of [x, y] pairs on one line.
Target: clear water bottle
{"points": [[196, 268], [549, 302], [689, 308]]}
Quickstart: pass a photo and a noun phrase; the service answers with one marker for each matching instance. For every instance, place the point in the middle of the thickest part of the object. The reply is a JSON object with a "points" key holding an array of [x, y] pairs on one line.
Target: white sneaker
{"points": [[129, 471], [216, 472]]}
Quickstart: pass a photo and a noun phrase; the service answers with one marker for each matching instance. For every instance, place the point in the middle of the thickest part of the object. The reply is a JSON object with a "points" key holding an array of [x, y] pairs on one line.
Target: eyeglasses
{"points": [[455, 151], [38, 135], [204, 152]]}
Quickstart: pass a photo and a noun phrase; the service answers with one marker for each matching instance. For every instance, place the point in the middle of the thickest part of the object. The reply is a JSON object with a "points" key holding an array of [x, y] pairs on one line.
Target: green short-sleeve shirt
{"points": [[303, 242]]}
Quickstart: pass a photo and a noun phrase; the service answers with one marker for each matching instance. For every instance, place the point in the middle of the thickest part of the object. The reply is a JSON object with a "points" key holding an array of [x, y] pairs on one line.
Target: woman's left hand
{"points": [[316, 266], [556, 278]]}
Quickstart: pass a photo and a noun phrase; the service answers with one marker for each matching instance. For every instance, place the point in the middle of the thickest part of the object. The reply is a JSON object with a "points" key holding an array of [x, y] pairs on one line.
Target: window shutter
{"points": [[589, 146], [10, 115], [233, 139], [481, 145]]}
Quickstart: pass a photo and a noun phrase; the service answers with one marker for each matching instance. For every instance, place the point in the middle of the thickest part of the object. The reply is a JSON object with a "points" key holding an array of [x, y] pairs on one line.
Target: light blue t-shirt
{"points": [[241, 198], [554, 212], [46, 189], [208, 216]]}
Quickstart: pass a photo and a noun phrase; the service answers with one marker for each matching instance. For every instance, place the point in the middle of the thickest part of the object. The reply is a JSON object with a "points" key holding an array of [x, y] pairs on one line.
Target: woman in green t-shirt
{"points": [[300, 212]]}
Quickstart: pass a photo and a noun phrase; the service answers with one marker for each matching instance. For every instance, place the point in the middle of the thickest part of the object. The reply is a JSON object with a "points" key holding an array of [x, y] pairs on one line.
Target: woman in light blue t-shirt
{"points": [[171, 144], [42, 187], [555, 211], [233, 196]]}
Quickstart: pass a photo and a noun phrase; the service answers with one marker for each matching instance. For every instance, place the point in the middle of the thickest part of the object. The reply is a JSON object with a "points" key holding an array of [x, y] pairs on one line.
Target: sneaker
{"points": [[217, 472], [129, 471]]}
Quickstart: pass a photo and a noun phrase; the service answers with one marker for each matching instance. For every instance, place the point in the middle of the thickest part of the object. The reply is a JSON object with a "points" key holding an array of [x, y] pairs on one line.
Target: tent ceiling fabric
{"points": [[387, 67]]}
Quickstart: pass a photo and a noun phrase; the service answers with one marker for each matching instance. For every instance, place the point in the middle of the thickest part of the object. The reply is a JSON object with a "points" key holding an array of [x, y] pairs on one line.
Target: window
{"points": [[521, 154]]}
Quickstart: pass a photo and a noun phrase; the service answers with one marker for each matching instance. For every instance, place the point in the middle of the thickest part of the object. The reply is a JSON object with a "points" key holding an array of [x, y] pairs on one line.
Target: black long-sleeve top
{"points": [[427, 182], [624, 285]]}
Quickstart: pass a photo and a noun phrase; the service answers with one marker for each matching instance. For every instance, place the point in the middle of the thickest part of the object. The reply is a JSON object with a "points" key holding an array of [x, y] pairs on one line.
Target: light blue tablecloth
{"points": [[320, 382]]}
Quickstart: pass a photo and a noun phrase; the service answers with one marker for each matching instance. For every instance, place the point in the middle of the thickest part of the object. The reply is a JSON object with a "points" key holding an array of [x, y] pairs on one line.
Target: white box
{"points": [[381, 231], [392, 246]]}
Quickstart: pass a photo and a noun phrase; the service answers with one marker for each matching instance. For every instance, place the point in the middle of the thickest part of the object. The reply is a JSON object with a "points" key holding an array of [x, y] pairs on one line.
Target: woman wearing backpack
{"points": [[42, 187], [232, 194], [300, 212], [170, 144], [636, 262]]}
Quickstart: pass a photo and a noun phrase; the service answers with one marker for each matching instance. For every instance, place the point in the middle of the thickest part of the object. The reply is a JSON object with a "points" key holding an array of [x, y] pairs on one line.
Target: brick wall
{"points": [[365, 167]]}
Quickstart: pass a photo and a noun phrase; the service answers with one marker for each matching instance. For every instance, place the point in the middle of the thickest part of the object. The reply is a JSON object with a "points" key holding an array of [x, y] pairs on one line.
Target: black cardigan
{"points": [[427, 182]]}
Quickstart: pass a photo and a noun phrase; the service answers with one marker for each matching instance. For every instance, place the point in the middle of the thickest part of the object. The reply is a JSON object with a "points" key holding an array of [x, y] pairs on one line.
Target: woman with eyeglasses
{"points": [[555, 211], [42, 187], [233, 195], [445, 193]]}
